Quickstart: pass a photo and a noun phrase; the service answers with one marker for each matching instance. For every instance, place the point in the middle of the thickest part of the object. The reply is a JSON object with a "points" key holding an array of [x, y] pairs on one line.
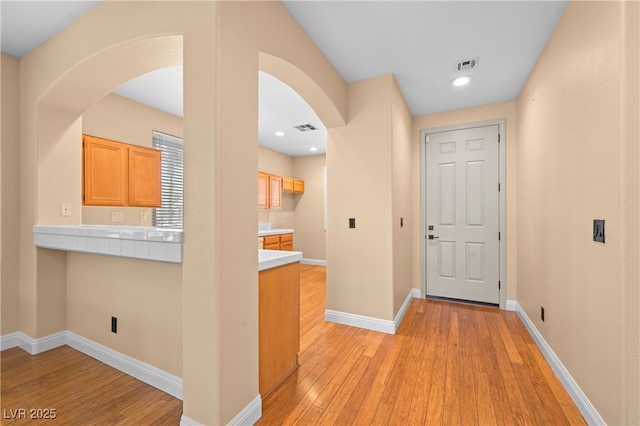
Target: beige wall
{"points": [[571, 141], [310, 236], [10, 193], [121, 119], [360, 178], [506, 110], [146, 297], [401, 197]]}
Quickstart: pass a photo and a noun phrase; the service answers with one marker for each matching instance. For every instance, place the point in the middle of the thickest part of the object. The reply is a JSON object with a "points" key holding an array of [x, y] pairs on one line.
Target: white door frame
{"points": [[502, 162]]}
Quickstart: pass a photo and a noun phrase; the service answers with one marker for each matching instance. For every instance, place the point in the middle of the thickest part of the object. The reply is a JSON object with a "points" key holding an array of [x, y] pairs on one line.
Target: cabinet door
{"points": [[287, 184], [272, 242], [263, 190], [286, 242], [105, 172], [144, 177], [278, 325], [298, 186], [275, 192]]}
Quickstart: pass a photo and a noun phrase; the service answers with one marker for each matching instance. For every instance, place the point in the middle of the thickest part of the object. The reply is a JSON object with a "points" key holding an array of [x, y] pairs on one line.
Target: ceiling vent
{"points": [[306, 127], [467, 64]]}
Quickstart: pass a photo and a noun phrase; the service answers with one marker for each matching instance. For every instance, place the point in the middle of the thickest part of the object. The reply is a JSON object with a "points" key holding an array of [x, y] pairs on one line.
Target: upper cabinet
{"points": [[270, 188], [144, 177], [292, 185], [263, 190], [119, 174], [275, 192]]}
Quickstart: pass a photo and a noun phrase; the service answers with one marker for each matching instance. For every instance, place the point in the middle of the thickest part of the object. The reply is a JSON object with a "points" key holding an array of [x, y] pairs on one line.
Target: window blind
{"points": [[170, 215]]}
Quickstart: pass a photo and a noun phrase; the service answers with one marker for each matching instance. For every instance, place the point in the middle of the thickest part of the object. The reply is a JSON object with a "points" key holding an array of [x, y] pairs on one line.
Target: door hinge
{"points": [[498, 236], [498, 186], [498, 137], [498, 285], [426, 138]]}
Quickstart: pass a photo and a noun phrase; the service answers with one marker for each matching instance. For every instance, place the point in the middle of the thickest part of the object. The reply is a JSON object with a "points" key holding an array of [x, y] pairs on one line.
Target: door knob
{"points": [[432, 237]]}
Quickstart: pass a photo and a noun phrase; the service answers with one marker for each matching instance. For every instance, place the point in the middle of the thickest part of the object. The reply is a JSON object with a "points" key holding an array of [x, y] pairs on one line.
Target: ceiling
{"points": [[419, 42]]}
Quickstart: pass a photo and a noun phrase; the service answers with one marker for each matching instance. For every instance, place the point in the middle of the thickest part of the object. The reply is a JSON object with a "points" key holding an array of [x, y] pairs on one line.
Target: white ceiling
{"points": [[417, 41]]}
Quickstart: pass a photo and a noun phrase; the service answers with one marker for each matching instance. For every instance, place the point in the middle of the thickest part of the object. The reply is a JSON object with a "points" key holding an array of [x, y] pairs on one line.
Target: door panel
{"points": [[463, 209]]}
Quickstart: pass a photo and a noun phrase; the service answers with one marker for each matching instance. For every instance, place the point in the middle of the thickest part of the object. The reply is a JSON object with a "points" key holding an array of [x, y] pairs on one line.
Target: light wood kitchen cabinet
{"points": [[287, 184], [293, 185], [104, 172], [269, 191], [263, 190], [270, 188], [119, 174], [275, 192], [298, 186], [272, 242], [278, 242], [144, 177], [286, 242], [279, 325]]}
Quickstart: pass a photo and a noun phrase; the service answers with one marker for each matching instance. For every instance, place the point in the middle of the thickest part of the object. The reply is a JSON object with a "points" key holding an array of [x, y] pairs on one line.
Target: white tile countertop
{"points": [[268, 259], [138, 242], [265, 232]]}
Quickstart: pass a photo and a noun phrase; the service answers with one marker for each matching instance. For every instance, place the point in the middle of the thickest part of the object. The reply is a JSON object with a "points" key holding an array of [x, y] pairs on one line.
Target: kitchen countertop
{"points": [[265, 232], [138, 242], [268, 259]]}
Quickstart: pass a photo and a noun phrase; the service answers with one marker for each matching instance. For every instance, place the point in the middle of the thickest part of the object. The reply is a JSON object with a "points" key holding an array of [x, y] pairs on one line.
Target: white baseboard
{"points": [[187, 421], [511, 305], [247, 417], [415, 292], [10, 340], [250, 414], [140, 370], [371, 323], [587, 409], [31, 345], [318, 262]]}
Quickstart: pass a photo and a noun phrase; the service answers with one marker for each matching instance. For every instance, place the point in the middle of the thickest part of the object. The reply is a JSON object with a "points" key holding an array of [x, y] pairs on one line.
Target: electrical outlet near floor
{"points": [[114, 324]]}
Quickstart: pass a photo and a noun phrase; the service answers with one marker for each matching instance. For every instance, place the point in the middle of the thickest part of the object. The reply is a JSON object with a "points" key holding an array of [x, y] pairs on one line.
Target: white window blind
{"points": [[170, 215]]}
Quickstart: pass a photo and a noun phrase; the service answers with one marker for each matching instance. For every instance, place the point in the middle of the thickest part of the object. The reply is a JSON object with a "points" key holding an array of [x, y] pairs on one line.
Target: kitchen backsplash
{"points": [[278, 219]]}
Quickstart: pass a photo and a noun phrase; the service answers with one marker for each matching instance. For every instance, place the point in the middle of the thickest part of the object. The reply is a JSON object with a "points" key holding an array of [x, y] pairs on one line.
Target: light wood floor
{"points": [[449, 364], [81, 390]]}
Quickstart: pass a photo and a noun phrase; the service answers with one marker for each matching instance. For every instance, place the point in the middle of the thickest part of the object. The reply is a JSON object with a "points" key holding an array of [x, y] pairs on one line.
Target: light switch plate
{"points": [[598, 230]]}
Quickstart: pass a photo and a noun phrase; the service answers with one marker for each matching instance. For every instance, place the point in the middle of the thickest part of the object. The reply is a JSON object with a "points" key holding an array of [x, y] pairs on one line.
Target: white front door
{"points": [[463, 214]]}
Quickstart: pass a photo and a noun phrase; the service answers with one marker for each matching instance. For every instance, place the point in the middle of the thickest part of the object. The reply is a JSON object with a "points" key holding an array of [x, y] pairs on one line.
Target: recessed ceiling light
{"points": [[279, 133], [461, 81], [313, 148]]}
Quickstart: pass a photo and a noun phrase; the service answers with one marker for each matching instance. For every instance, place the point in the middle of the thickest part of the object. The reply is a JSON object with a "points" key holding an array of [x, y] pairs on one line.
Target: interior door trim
{"points": [[502, 196]]}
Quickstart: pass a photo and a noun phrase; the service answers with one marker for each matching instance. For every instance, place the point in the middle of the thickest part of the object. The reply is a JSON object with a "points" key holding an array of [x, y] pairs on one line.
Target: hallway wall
{"points": [[571, 170]]}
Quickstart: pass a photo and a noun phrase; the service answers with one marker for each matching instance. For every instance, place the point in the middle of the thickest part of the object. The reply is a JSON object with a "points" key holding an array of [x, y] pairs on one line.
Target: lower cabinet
{"points": [[279, 325], [278, 242]]}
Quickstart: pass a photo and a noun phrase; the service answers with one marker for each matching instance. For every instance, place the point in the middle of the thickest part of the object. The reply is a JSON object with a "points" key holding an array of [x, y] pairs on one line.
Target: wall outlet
{"points": [[117, 217], [352, 222], [65, 209], [114, 324], [542, 313], [143, 216]]}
